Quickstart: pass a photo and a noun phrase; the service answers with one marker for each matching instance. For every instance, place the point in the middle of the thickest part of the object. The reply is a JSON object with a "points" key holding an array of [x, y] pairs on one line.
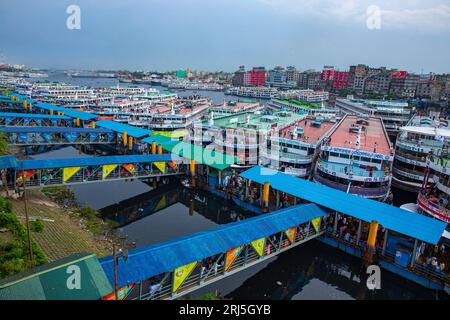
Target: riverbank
{"points": [[67, 229]]}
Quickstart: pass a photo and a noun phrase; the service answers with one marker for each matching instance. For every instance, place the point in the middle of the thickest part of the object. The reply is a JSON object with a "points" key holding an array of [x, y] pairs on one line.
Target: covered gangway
{"points": [[168, 257], [405, 222]]}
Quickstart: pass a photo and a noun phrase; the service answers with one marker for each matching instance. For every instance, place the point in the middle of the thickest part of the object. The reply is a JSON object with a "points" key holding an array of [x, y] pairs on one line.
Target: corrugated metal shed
{"points": [[120, 127], [149, 261], [408, 223], [92, 161], [49, 282]]}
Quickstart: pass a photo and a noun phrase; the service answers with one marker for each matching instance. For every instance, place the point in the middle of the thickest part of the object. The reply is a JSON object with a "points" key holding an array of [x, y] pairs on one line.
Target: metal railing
{"points": [[199, 278]]}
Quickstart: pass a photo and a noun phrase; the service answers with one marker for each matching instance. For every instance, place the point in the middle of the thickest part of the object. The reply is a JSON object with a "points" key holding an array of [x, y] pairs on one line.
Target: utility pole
{"points": [[115, 271], [27, 221]]}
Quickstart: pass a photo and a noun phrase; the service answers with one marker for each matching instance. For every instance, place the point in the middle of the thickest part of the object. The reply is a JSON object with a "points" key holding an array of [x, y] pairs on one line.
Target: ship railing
{"points": [[357, 171], [410, 156], [199, 277], [367, 192], [407, 170]]}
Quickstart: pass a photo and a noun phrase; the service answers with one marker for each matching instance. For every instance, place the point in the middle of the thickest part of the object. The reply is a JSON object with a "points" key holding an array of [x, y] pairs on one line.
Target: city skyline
{"points": [[154, 35]]}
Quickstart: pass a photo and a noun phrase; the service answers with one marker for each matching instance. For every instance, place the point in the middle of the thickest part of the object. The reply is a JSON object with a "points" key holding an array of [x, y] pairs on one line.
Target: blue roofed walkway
{"points": [[67, 171], [267, 234], [32, 136], [408, 223]]}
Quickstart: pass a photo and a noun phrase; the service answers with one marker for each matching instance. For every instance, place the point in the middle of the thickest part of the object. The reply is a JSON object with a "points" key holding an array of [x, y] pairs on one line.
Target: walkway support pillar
{"points": [[371, 239], [51, 111], [78, 122], [24, 103], [130, 142], [125, 138], [266, 190], [153, 147], [93, 124], [160, 151], [192, 171]]}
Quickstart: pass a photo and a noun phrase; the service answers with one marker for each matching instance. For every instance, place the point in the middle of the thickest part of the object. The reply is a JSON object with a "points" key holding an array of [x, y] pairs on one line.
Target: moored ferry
{"points": [[243, 135], [295, 105], [357, 158], [435, 201], [415, 142], [253, 92], [394, 114], [294, 148]]}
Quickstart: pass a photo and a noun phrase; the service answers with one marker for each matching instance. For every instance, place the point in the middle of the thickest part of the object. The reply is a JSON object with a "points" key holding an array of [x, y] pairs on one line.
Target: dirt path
{"points": [[62, 235]]}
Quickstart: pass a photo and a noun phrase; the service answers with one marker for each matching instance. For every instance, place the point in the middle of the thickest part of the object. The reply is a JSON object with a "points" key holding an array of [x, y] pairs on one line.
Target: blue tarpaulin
{"points": [[408, 223], [8, 162], [121, 127], [153, 260]]}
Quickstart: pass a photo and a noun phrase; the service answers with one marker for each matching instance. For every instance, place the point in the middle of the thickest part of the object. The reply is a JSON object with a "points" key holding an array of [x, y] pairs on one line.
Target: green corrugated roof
{"points": [[49, 282], [201, 155]]}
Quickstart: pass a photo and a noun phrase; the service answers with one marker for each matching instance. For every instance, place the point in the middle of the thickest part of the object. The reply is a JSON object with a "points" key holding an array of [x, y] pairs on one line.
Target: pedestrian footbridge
{"points": [[39, 136], [69, 171], [174, 268]]}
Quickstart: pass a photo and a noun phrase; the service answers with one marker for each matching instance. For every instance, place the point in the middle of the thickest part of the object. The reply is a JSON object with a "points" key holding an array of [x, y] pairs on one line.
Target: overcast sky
{"points": [[223, 34]]}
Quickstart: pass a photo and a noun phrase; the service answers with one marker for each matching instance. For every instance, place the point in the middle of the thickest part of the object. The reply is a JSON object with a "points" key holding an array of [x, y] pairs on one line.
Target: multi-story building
{"points": [[292, 74], [378, 83], [278, 77], [404, 84], [254, 78]]}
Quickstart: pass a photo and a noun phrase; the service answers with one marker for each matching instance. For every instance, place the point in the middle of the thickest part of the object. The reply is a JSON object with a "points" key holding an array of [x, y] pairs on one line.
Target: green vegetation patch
{"points": [[14, 255]]}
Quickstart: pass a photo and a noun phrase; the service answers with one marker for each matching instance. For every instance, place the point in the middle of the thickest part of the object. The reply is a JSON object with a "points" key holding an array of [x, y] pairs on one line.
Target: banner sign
{"points": [[107, 169], [69, 172], [161, 166], [181, 273], [357, 153], [290, 233], [316, 223], [26, 175], [173, 165], [130, 167], [258, 245], [121, 293], [232, 254]]}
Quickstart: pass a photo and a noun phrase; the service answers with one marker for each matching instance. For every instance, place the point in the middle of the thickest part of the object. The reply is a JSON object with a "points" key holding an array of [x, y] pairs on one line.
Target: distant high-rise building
{"points": [[278, 77], [254, 78]]}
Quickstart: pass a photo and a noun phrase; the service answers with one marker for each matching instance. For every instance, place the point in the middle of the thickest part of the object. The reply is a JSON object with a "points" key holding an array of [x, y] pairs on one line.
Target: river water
{"points": [[310, 271]]}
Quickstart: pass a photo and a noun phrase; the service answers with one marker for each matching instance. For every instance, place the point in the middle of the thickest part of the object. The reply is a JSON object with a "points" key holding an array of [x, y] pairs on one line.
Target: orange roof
{"points": [[310, 134], [373, 139]]}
